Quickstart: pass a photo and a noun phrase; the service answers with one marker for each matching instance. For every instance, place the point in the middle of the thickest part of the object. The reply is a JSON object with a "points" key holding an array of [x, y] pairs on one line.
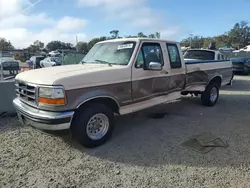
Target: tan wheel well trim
{"points": [[97, 97]]}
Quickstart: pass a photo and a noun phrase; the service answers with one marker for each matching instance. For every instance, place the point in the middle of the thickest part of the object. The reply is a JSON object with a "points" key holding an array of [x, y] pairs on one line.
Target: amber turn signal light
{"points": [[51, 101]]}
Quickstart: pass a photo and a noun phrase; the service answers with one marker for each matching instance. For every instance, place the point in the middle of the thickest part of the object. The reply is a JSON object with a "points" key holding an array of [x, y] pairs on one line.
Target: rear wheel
{"points": [[211, 95], [93, 125]]}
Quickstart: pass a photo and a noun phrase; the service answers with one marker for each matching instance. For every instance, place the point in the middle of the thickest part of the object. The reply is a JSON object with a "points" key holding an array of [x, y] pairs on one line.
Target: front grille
{"points": [[26, 92]]}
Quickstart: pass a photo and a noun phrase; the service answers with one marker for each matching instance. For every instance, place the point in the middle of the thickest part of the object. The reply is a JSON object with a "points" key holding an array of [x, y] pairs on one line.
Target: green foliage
{"points": [[82, 46], [152, 35], [54, 45], [95, 40], [141, 35], [5, 45], [237, 37], [114, 34], [36, 47], [39, 44]]}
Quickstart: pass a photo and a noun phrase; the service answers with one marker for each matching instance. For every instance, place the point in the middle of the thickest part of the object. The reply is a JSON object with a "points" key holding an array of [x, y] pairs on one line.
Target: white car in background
{"points": [[245, 49], [50, 62]]}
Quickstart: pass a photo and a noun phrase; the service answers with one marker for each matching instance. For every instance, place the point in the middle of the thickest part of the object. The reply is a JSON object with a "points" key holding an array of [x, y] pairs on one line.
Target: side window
{"points": [[219, 57], [149, 52], [139, 62], [174, 56]]}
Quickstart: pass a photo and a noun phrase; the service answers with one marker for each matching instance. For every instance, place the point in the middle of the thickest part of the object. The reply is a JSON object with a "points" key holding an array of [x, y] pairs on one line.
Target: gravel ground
{"points": [[143, 152]]}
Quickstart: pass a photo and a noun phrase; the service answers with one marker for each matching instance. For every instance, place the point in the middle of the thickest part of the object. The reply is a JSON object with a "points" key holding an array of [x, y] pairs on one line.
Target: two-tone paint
{"points": [[126, 88]]}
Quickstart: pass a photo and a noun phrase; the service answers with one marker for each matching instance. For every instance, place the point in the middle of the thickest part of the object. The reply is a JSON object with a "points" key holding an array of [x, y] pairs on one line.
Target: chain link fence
{"points": [[237, 54], [72, 58]]}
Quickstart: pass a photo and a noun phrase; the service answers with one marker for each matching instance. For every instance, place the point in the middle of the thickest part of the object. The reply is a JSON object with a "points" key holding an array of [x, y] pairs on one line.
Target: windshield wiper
{"points": [[83, 62], [104, 62]]}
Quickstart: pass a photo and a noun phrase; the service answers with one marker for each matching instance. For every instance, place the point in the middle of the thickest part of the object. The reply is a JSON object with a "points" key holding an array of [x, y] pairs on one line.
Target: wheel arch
{"points": [[107, 100], [215, 79]]}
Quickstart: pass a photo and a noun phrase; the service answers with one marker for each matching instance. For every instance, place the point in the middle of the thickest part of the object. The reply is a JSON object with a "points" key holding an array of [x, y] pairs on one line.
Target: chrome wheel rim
{"points": [[213, 94], [97, 126]]}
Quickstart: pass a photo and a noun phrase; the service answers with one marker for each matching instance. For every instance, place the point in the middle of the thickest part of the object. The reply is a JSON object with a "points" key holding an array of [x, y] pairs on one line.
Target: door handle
{"points": [[164, 72]]}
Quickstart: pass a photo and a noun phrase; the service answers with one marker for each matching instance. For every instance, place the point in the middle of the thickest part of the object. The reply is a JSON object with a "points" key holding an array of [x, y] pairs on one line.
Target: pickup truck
{"points": [[118, 76]]}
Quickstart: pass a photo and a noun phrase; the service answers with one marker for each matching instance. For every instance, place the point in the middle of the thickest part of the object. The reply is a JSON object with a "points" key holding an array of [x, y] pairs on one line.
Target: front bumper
{"points": [[44, 120]]}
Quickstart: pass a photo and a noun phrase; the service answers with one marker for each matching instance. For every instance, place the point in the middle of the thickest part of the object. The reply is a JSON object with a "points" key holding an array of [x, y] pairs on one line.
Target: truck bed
{"points": [[200, 72]]}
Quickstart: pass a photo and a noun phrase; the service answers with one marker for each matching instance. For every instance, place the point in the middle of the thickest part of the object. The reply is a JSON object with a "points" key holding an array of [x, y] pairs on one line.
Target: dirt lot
{"points": [[143, 152]]}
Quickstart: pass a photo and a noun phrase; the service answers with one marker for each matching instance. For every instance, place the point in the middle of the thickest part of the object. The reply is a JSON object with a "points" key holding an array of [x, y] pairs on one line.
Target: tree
{"points": [[152, 36], [130, 36], [5, 45], [82, 46], [39, 44], [114, 34], [36, 47], [157, 35], [237, 37], [240, 34], [95, 40], [55, 45], [141, 35]]}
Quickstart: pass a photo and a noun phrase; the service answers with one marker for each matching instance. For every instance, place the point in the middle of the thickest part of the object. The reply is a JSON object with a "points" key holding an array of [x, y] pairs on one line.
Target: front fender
{"points": [[94, 95]]}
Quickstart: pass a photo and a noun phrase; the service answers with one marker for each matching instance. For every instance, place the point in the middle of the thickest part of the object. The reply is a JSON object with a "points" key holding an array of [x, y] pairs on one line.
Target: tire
{"points": [[231, 81], [206, 96], [81, 126], [246, 71]]}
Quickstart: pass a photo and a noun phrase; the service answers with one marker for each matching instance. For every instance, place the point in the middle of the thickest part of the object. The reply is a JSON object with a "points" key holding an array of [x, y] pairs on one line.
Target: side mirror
{"points": [[156, 66]]}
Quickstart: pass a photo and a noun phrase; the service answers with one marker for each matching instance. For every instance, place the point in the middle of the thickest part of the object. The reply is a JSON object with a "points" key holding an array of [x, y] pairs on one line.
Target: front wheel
{"points": [[93, 125], [210, 96]]}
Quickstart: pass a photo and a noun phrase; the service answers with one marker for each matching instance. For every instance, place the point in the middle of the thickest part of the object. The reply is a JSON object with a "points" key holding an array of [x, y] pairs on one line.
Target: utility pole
{"points": [[191, 35], [1, 66], [76, 39]]}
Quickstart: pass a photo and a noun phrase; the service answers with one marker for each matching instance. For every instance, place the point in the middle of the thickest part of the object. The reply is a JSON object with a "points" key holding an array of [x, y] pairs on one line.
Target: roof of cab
{"points": [[138, 40], [196, 49]]}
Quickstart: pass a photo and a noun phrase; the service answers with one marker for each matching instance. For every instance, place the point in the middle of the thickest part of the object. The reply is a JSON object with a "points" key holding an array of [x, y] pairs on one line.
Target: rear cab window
{"points": [[199, 54], [174, 56]]}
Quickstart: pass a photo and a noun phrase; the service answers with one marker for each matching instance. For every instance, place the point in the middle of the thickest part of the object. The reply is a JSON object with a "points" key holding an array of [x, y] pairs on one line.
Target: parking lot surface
{"points": [[143, 152]]}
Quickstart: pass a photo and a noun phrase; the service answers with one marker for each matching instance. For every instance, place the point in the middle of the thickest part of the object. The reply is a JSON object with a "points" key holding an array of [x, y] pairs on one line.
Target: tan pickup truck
{"points": [[118, 76]]}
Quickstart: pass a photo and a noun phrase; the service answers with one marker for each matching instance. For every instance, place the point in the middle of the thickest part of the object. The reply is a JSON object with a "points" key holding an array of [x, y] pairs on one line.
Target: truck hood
{"points": [[76, 76]]}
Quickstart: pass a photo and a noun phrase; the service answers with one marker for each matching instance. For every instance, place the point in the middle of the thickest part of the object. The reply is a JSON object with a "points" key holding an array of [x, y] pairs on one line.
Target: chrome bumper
{"points": [[40, 119]]}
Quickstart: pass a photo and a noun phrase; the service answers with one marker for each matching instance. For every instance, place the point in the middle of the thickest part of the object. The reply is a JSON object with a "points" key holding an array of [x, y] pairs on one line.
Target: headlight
{"points": [[51, 96]]}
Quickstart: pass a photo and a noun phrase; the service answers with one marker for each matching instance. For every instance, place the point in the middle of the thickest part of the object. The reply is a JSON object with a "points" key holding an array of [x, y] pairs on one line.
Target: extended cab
{"points": [[118, 76]]}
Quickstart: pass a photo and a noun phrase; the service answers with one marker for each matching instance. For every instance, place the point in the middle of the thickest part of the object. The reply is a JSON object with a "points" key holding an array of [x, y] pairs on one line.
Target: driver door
{"points": [[148, 84]]}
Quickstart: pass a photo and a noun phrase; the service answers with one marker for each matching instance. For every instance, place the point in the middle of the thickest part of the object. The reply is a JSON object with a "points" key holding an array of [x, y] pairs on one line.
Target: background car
{"points": [[50, 62], [241, 65], [34, 61], [9, 64]]}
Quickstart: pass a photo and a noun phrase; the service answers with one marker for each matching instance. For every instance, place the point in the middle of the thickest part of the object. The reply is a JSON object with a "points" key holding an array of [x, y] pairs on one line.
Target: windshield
{"points": [[56, 59], [199, 54], [115, 53]]}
